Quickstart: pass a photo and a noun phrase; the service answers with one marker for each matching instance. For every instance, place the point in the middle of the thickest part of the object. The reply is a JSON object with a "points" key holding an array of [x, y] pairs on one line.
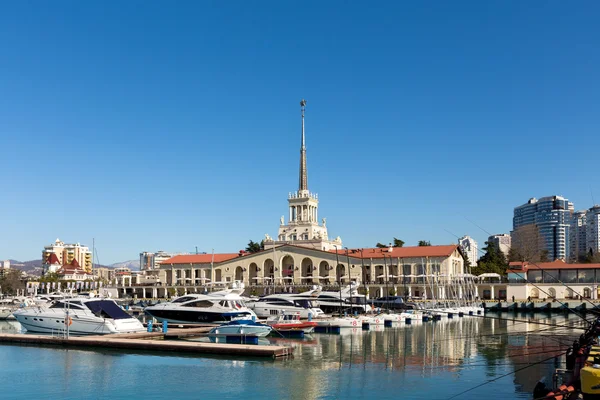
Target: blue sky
{"points": [[156, 125]]}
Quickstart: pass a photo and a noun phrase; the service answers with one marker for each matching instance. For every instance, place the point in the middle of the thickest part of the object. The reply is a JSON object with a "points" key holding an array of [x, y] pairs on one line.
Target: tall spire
{"points": [[303, 180]]}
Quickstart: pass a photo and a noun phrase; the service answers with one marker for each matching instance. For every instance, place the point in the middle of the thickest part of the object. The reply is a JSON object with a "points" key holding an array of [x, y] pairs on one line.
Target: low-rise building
{"points": [[555, 279], [410, 270], [150, 261], [73, 272], [103, 273]]}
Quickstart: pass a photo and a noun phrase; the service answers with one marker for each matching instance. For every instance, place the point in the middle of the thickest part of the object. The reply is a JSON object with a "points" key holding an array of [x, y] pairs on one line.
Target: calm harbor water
{"points": [[432, 360]]}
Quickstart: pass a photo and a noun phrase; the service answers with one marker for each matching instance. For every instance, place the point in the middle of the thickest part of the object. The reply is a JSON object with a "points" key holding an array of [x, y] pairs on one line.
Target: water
{"points": [[432, 360]]}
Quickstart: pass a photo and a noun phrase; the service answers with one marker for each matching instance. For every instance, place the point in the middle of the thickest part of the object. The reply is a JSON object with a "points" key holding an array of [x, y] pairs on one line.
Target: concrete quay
{"points": [[542, 305], [151, 341]]}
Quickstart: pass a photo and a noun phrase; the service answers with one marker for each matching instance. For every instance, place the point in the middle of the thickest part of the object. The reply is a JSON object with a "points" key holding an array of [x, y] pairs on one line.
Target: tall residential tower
{"points": [[541, 228]]}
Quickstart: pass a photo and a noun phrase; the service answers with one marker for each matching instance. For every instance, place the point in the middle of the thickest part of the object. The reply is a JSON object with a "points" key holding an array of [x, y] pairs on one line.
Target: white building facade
{"points": [[592, 231], [502, 242], [470, 249], [151, 261]]}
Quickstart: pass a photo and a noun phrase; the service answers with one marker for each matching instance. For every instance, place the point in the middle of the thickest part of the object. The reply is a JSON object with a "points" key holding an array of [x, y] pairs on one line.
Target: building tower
{"points": [[303, 228], [470, 248], [541, 229]]}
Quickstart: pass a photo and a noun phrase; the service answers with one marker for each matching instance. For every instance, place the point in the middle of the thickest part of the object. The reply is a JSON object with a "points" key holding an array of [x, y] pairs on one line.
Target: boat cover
{"points": [[107, 309]]}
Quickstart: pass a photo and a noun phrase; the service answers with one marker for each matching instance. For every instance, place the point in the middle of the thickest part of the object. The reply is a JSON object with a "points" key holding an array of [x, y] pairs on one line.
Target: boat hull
{"points": [[239, 330], [190, 317], [306, 327]]}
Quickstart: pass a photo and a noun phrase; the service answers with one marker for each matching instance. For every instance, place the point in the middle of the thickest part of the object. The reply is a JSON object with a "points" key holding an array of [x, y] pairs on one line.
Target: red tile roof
{"points": [[70, 270], [557, 264], [200, 258], [402, 252], [52, 259]]}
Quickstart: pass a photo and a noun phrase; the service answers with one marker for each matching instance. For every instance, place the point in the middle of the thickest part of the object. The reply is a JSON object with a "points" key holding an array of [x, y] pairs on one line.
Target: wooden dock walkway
{"points": [[148, 341]]}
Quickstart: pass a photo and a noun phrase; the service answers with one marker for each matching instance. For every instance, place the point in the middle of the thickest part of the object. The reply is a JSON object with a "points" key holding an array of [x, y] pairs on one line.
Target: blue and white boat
{"points": [[241, 327]]}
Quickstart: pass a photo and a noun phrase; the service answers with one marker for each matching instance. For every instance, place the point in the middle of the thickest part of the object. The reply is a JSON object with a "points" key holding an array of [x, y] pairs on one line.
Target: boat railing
{"points": [[59, 332]]}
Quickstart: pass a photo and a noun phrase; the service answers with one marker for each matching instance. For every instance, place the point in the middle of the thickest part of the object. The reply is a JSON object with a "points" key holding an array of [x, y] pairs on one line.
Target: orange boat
{"points": [[291, 322]]}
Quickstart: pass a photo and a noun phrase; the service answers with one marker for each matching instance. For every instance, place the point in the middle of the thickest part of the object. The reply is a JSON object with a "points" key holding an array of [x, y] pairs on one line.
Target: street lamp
{"points": [[337, 267], [349, 276]]}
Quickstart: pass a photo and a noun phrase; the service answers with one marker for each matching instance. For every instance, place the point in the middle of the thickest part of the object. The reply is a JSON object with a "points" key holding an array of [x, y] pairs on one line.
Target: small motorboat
{"points": [[241, 327], [291, 322]]}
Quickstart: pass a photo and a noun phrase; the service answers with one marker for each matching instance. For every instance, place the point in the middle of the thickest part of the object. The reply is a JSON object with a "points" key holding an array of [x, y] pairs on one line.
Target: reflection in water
{"points": [[423, 360]]}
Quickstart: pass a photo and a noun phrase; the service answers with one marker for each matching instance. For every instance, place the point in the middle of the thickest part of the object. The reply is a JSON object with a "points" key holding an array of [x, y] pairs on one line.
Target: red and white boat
{"points": [[291, 322]]}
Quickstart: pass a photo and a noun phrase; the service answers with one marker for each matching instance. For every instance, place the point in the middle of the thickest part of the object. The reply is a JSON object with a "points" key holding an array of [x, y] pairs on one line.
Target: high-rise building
{"points": [[149, 260], [66, 253], [577, 236], [592, 231], [502, 242], [303, 228], [470, 248], [541, 228]]}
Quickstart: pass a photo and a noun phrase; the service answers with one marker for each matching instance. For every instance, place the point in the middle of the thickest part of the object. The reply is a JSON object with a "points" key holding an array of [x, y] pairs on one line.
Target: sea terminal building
{"points": [[543, 280], [420, 272]]}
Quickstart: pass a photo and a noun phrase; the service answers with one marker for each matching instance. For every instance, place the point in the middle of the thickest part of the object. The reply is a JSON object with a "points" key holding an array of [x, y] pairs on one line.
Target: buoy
{"points": [[68, 321]]}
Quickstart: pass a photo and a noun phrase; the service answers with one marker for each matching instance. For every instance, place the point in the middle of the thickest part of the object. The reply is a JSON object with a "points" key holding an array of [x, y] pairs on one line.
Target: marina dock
{"points": [[152, 341]]}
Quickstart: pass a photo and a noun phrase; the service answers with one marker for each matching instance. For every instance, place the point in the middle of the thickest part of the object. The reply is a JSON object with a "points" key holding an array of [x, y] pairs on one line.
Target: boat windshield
{"points": [[183, 299], [107, 309], [304, 303]]}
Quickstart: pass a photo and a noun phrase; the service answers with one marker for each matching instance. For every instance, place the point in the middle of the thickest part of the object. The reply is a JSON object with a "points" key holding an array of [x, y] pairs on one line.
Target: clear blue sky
{"points": [[156, 125]]}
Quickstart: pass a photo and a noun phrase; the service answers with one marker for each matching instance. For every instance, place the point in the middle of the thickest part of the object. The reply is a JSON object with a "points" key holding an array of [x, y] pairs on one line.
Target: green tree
{"points": [[49, 277], [11, 281], [398, 242], [424, 243], [255, 247], [493, 261]]}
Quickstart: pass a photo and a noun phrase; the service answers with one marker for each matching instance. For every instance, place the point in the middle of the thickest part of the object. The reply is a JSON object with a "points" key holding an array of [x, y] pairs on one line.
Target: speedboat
{"points": [[291, 322], [275, 304], [241, 327], [213, 308], [79, 316]]}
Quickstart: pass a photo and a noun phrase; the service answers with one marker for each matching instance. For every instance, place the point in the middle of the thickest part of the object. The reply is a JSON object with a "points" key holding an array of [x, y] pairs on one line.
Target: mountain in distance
{"points": [[133, 265], [34, 267]]}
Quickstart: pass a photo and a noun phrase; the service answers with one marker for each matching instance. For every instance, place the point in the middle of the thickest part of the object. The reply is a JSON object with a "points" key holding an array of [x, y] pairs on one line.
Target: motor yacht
{"points": [[347, 299], [212, 308], [273, 305], [79, 316]]}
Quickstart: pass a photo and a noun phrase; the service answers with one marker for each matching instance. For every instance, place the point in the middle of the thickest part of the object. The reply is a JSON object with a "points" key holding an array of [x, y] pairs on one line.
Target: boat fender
{"points": [[241, 331]]}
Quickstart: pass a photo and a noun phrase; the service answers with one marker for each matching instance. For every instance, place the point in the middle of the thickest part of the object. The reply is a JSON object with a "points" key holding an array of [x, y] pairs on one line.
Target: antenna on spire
{"points": [[303, 181], [302, 108]]}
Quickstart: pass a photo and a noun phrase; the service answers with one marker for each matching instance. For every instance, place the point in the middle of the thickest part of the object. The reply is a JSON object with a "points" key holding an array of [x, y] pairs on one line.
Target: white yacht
{"points": [[7, 307], [212, 308], [348, 299], [80, 316], [274, 304]]}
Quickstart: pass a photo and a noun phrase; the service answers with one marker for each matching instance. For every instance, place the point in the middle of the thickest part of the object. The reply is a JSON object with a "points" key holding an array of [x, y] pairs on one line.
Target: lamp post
{"points": [[349, 276], [339, 279], [385, 276]]}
